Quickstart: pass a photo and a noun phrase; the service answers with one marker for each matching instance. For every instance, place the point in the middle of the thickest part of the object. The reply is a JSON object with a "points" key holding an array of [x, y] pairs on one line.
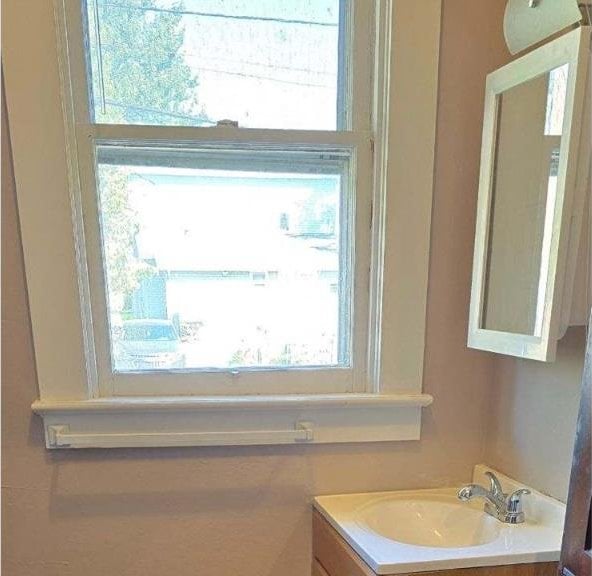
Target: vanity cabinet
{"points": [[332, 556]]}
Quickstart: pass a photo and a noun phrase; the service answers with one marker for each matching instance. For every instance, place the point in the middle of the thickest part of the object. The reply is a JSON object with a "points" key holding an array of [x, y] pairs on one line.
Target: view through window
{"points": [[228, 258], [263, 63], [223, 268]]}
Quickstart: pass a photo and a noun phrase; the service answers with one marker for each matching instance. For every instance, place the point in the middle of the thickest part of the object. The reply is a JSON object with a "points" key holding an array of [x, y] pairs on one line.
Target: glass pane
{"points": [[224, 267], [264, 63], [529, 135], [556, 99]]}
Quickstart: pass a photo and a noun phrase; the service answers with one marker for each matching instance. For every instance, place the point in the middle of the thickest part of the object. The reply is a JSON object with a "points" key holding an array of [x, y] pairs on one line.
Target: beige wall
{"points": [[224, 512], [534, 406], [534, 413]]}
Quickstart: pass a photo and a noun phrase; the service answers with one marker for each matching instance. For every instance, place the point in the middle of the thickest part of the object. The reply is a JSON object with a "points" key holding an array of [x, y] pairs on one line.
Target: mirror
{"points": [[528, 146], [528, 189]]}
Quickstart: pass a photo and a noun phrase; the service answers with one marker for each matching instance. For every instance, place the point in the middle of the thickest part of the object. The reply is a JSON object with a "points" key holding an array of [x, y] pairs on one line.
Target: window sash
{"points": [[350, 13], [357, 44], [225, 381]]}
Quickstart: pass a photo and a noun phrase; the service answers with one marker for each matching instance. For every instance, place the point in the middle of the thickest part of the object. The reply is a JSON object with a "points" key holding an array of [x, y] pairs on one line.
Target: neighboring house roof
{"points": [[255, 254], [199, 224]]}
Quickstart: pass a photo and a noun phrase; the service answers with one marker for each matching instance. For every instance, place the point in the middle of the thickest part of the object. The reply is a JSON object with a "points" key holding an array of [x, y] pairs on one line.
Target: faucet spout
{"points": [[475, 491], [466, 493], [497, 504]]}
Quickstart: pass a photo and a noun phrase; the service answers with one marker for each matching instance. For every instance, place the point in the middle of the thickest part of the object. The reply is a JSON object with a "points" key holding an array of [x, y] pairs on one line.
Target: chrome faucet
{"points": [[505, 507]]}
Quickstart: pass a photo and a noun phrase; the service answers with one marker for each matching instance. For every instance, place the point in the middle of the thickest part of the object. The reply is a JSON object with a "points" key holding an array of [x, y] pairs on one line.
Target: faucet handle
{"points": [[495, 486], [514, 501]]}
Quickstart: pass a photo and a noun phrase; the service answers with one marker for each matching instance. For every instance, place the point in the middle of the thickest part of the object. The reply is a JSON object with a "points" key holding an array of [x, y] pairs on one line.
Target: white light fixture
{"points": [[527, 22]]}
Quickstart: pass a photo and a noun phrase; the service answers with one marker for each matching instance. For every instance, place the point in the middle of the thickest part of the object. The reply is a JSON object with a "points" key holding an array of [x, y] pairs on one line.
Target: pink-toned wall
{"points": [[534, 414], [225, 512]]}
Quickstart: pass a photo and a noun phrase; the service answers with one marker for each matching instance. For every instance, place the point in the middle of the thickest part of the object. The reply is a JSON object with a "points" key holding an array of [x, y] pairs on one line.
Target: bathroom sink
{"points": [[430, 529], [430, 520]]}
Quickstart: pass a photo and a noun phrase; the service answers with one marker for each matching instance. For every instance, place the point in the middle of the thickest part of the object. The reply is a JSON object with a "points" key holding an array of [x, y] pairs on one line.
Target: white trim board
{"points": [[231, 421]]}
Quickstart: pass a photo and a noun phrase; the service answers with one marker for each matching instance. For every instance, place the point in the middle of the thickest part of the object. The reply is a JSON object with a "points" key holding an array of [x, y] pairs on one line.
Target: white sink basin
{"points": [[440, 521], [430, 530]]}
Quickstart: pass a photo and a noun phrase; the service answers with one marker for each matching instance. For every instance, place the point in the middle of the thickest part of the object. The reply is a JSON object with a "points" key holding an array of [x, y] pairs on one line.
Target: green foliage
{"points": [[262, 349], [145, 77], [119, 228], [144, 74]]}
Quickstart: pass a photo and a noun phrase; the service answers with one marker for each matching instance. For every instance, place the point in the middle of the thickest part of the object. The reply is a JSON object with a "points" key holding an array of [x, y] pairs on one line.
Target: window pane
{"points": [[225, 267], [556, 100], [264, 63]]}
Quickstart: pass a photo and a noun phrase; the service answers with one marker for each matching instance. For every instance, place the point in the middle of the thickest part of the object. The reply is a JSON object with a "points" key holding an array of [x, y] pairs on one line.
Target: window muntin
{"points": [[264, 64], [247, 254]]}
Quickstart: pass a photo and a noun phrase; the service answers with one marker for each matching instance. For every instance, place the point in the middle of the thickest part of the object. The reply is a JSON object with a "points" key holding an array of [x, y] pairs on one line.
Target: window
{"points": [[250, 150], [227, 252]]}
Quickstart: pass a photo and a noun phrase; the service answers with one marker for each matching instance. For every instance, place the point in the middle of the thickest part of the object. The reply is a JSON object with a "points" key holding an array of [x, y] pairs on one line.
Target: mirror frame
{"points": [[573, 49]]}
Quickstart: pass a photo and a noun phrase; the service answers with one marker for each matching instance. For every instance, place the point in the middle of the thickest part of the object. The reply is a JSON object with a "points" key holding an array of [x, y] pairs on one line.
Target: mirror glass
{"points": [[528, 146]]}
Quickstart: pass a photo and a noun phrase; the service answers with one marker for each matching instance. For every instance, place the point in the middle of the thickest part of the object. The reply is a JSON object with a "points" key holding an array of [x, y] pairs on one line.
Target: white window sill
{"points": [[231, 420]]}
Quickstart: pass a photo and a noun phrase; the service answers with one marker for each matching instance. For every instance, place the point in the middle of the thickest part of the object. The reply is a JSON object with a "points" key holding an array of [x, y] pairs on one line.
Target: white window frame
{"points": [[355, 139], [250, 380], [383, 405]]}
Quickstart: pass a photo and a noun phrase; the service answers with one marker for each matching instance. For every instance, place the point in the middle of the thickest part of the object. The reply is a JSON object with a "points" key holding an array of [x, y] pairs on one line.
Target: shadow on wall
{"points": [[82, 482]]}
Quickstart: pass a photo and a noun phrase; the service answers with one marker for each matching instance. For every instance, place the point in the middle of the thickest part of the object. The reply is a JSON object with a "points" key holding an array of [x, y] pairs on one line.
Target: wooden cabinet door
{"points": [[576, 551]]}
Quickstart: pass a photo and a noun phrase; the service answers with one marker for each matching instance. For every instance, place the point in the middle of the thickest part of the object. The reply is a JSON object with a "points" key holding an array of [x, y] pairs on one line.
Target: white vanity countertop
{"points": [[538, 539]]}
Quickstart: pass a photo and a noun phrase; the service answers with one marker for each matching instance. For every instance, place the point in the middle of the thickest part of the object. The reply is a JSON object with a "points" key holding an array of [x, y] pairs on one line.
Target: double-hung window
{"points": [[226, 183], [229, 168]]}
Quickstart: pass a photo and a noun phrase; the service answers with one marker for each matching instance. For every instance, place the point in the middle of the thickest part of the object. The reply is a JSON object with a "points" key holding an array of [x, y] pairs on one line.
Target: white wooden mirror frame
{"points": [[573, 48]]}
